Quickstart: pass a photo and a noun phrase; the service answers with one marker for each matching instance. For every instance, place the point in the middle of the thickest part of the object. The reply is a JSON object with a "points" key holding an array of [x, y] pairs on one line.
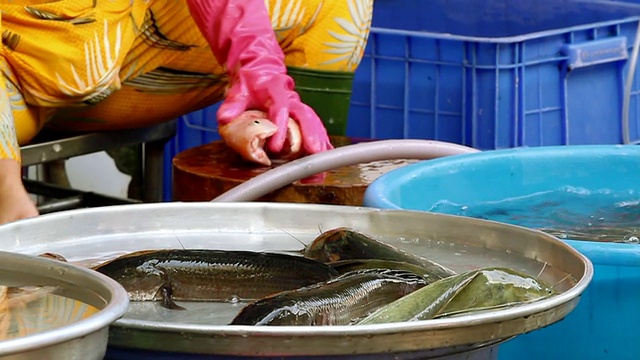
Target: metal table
{"points": [[53, 145]]}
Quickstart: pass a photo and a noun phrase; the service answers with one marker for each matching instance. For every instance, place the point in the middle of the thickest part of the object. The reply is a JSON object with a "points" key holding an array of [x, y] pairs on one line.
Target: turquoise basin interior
{"points": [[528, 186]]}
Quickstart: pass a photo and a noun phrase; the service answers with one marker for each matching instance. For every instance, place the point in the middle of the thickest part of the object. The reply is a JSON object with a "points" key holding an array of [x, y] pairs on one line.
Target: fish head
{"points": [[136, 273], [332, 245], [247, 134], [276, 309]]}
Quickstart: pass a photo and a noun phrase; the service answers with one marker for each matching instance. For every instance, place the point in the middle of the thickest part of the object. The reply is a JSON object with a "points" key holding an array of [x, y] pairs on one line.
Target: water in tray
{"points": [[40, 313]]}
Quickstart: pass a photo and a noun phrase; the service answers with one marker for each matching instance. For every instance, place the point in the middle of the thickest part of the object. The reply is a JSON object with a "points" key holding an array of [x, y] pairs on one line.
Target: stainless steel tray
{"points": [[90, 236], [73, 339]]}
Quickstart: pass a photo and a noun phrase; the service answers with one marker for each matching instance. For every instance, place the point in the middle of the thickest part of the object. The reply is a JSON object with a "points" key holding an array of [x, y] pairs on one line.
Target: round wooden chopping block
{"points": [[204, 172]]}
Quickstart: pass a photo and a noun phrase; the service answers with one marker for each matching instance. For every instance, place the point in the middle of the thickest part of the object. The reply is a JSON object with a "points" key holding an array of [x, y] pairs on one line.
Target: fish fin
{"points": [[53, 256], [167, 299]]}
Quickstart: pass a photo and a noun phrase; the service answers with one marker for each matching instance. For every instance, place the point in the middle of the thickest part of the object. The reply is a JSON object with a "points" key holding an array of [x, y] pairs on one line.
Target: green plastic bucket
{"points": [[326, 92]]}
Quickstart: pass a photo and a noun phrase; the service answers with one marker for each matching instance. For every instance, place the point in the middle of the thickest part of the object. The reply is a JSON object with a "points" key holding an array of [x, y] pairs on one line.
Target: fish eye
{"points": [[256, 122]]}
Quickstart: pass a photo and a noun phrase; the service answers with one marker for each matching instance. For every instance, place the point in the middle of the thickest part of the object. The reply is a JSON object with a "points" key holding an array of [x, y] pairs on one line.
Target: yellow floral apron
{"points": [[116, 64]]}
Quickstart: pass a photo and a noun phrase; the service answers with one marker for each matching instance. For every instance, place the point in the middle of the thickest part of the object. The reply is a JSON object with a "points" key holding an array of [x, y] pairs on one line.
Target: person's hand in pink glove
{"points": [[241, 37]]}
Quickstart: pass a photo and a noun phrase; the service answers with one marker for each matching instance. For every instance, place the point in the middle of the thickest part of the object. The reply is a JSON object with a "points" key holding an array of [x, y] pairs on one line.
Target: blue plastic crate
{"points": [[194, 129], [486, 73], [497, 74]]}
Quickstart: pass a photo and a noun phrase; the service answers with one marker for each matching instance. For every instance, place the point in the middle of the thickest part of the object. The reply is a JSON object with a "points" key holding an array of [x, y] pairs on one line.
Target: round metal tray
{"points": [[85, 338], [91, 236]]}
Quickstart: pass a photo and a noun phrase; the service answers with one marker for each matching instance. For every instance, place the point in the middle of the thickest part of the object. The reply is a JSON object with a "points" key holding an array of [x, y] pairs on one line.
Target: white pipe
{"points": [[348, 155]]}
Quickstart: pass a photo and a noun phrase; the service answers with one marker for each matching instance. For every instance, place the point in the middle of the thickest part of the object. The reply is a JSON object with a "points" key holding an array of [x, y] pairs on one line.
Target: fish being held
{"points": [[211, 275], [248, 133], [334, 302], [348, 244]]}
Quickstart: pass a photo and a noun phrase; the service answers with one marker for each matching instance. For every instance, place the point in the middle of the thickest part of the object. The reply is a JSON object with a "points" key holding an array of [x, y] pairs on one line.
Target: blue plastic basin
{"points": [[604, 324]]}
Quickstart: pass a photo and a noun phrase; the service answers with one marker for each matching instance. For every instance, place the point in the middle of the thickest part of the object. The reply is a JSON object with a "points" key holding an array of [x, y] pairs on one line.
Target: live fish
{"points": [[348, 244], [334, 302], [211, 275]]}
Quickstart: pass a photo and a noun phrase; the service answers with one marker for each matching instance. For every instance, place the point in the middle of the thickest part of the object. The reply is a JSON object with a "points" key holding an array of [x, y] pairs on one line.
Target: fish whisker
{"points": [[541, 270], [180, 242], [304, 246], [561, 280]]}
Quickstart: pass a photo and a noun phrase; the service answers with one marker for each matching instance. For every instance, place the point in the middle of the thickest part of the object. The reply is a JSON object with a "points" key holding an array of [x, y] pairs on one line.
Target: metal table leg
{"points": [[67, 199], [153, 170]]}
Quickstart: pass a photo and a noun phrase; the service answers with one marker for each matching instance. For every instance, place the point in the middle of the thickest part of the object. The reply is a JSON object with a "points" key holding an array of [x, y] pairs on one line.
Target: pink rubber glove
{"points": [[241, 37]]}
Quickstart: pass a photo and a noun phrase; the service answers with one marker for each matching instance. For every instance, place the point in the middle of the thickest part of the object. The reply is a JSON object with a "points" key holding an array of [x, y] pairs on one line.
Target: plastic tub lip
{"points": [[601, 253], [376, 192], [625, 12], [608, 254], [320, 73], [502, 39]]}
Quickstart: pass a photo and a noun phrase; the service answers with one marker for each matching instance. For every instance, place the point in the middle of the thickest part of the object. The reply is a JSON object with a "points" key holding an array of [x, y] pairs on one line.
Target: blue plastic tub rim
{"points": [[608, 254], [379, 193], [376, 195]]}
